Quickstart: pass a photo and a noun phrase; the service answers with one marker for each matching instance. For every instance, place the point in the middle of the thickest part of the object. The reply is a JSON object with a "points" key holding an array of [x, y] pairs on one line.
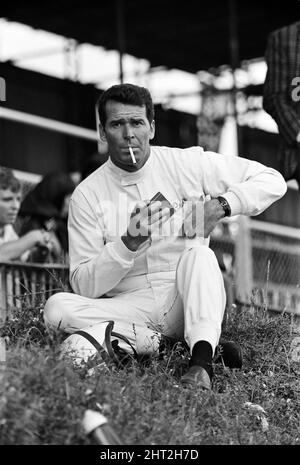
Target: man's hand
{"points": [[144, 218], [200, 217], [213, 212]]}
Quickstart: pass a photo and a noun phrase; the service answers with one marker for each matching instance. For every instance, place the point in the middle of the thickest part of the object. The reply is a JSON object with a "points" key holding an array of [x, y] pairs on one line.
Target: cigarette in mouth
{"points": [[132, 154]]}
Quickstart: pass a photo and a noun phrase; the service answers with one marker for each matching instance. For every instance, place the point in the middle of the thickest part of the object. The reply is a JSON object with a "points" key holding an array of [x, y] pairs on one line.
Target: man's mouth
{"points": [[127, 148]]}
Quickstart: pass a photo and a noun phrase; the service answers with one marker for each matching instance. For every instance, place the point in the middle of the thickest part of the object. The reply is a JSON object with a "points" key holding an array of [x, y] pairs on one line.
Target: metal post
{"points": [[67, 59], [120, 36], [102, 145], [243, 260], [3, 311], [70, 54], [243, 246], [76, 62]]}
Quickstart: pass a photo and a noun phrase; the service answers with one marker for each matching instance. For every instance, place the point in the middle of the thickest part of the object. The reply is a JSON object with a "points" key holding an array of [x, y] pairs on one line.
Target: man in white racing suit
{"points": [[146, 264]]}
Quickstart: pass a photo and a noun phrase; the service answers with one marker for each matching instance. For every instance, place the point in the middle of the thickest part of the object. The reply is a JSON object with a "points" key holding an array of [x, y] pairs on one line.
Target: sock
{"points": [[202, 356]]}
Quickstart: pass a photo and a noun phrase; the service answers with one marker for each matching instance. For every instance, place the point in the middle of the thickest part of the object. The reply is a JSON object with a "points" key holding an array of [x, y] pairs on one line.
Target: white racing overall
{"points": [[171, 285]]}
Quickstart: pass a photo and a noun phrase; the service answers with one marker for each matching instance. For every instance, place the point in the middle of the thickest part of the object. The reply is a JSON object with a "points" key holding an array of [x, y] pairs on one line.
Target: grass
{"points": [[43, 399]]}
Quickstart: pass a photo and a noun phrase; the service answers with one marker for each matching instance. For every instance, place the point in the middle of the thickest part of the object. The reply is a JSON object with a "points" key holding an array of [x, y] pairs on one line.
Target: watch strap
{"points": [[225, 205]]}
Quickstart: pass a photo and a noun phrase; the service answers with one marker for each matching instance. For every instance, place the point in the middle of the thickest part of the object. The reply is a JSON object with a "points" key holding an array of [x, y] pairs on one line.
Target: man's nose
{"points": [[128, 133]]}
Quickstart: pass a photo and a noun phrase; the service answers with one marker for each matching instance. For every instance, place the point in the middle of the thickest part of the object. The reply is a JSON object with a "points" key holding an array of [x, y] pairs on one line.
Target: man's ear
{"points": [[102, 134], [152, 133]]}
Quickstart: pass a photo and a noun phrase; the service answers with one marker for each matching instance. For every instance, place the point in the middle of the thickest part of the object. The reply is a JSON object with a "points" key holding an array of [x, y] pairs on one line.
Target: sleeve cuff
{"points": [[120, 252], [234, 203]]}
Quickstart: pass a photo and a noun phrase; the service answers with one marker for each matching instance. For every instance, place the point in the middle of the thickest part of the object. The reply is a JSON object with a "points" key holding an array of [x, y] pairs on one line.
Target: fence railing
{"points": [[262, 259], [29, 284]]}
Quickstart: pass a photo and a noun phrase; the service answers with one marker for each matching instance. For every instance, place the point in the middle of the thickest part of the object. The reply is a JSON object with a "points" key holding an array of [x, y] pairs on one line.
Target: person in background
{"points": [[281, 95], [13, 247], [46, 207], [145, 263], [92, 163]]}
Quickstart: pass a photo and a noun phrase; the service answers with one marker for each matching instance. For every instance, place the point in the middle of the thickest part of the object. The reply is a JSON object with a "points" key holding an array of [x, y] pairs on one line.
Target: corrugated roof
{"points": [[191, 35]]}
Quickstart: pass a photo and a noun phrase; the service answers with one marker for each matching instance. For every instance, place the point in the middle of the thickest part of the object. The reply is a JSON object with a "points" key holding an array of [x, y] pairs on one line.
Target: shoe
{"points": [[230, 354], [196, 377]]}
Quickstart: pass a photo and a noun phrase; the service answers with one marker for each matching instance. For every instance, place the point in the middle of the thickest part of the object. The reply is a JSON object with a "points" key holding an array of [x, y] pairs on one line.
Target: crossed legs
{"points": [[191, 307]]}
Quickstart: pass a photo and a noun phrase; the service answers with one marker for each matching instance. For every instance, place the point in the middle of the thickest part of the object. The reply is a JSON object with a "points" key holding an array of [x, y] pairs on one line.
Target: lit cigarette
{"points": [[132, 154]]}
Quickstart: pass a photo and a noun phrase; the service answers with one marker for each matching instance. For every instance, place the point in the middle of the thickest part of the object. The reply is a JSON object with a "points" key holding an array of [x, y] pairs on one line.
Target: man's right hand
{"points": [[145, 217]]}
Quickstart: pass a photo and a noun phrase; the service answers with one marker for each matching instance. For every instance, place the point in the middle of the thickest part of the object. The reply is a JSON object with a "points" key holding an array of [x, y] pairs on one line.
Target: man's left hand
{"points": [[213, 213], [200, 217]]}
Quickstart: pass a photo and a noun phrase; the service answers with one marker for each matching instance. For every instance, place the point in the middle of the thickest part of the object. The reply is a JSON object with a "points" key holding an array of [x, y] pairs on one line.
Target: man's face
{"points": [[127, 125], [9, 206]]}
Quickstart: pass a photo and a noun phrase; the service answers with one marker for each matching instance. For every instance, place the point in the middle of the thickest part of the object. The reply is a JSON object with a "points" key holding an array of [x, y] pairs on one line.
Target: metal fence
{"points": [[264, 261]]}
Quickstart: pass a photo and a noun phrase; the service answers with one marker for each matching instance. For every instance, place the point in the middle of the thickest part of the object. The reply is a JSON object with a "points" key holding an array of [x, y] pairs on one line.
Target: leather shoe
{"points": [[230, 354], [196, 377]]}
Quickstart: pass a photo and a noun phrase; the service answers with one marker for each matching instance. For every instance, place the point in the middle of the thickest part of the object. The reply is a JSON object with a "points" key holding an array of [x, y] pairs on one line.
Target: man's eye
{"points": [[116, 125], [138, 123]]}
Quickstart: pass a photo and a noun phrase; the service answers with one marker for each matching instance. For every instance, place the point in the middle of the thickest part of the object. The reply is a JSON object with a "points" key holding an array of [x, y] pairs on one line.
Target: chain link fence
{"points": [[273, 258]]}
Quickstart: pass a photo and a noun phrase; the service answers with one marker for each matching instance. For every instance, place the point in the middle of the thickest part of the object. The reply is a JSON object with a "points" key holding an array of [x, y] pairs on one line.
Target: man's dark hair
{"points": [[8, 180], [128, 94]]}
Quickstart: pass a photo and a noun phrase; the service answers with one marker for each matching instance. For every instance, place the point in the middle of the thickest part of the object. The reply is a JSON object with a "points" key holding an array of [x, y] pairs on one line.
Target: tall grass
{"points": [[43, 399]]}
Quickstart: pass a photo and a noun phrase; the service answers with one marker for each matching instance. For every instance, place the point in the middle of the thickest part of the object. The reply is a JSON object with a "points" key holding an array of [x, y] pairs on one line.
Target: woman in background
{"points": [[46, 207]]}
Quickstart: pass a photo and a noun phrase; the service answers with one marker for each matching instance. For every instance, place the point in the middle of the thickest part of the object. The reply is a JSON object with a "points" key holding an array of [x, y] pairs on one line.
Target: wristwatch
{"points": [[225, 205]]}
